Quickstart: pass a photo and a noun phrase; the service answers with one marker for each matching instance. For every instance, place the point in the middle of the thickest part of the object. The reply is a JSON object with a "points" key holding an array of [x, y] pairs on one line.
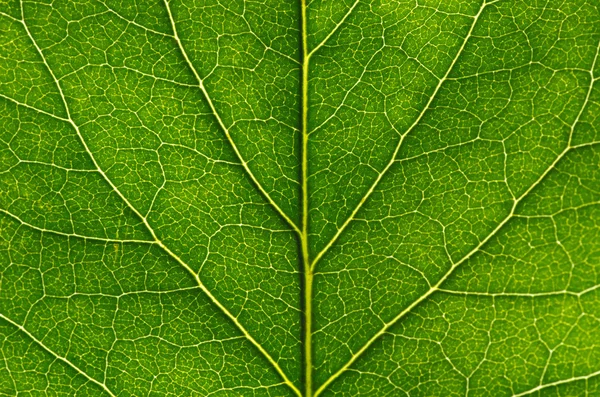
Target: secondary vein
{"points": [[493, 233], [335, 29], [56, 355], [222, 125], [75, 235], [145, 220], [252, 176], [401, 141]]}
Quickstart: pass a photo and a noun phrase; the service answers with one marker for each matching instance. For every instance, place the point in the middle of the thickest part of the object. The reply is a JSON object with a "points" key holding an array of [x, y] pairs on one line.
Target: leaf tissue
{"points": [[300, 198]]}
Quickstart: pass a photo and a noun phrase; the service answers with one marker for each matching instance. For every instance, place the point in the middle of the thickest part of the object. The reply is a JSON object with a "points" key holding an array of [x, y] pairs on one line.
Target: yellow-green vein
{"points": [[56, 355], [455, 265], [427, 106], [147, 224], [222, 125], [306, 268], [259, 186]]}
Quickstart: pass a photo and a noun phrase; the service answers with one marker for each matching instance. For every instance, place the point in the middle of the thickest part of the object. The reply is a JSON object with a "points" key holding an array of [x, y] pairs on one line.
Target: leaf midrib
{"points": [[302, 232]]}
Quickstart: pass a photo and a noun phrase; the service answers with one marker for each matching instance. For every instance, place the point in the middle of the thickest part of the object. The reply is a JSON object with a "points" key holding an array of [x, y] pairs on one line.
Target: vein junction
{"points": [[384, 239]]}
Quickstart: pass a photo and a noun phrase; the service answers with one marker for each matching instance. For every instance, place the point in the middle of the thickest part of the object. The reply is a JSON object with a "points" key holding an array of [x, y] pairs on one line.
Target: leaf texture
{"points": [[300, 198]]}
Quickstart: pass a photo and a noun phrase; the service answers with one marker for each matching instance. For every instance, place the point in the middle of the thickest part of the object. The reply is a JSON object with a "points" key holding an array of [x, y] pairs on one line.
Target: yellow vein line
{"points": [[306, 268], [9, 16], [58, 167], [399, 145], [557, 383], [151, 230], [584, 145], [74, 235], [335, 29], [245, 165], [291, 223], [434, 288], [233, 319], [132, 22], [33, 108], [455, 265], [56, 355], [509, 294]]}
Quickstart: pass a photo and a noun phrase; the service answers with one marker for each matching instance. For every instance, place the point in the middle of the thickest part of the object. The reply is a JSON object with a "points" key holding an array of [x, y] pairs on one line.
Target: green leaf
{"points": [[300, 198]]}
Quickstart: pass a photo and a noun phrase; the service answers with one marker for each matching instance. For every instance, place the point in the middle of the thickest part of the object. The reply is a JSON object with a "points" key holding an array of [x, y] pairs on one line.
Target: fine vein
{"points": [[56, 355], [222, 125], [74, 235], [557, 383], [279, 210], [146, 223], [494, 232], [335, 29], [399, 145]]}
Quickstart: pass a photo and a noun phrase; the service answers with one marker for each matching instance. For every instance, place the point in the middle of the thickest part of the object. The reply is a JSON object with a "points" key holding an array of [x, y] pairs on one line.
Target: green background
{"points": [[153, 181]]}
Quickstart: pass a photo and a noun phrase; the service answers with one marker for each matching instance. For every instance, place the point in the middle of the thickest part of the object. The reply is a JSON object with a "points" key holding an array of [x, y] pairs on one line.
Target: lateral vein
{"points": [[245, 165], [557, 383], [222, 125], [74, 235], [335, 29], [56, 355], [400, 142], [145, 221], [54, 116], [455, 265]]}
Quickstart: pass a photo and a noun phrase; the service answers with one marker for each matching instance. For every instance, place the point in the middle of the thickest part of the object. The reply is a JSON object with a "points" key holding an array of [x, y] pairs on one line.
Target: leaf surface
{"points": [[267, 198]]}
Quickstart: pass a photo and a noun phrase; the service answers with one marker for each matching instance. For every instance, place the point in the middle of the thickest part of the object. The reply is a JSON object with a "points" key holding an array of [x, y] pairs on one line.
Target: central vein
{"points": [[307, 271]]}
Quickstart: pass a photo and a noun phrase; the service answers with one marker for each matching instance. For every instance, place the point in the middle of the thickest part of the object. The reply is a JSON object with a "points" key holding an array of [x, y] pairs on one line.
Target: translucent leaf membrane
{"points": [[311, 198]]}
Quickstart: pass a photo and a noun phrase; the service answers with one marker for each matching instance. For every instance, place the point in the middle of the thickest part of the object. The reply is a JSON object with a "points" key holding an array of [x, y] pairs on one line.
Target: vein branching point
{"points": [[304, 198]]}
